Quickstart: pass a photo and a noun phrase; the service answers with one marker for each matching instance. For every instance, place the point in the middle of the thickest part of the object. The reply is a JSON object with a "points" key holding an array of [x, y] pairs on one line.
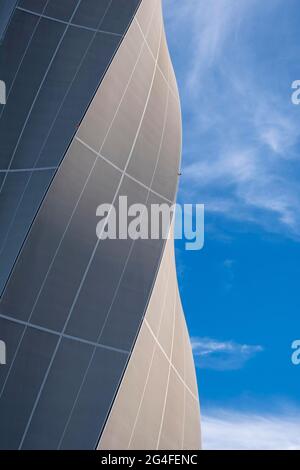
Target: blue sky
{"points": [[235, 61]]}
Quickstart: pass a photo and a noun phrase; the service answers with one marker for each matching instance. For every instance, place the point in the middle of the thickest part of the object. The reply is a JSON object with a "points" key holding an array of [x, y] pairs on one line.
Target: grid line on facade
{"points": [[39, 89], [151, 360], [109, 298], [86, 271], [128, 256], [75, 25], [58, 333]]}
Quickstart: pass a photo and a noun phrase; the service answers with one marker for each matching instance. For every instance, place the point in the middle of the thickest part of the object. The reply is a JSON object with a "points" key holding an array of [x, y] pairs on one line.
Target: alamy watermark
{"points": [[296, 94], [2, 92], [296, 353], [137, 221], [2, 353]]}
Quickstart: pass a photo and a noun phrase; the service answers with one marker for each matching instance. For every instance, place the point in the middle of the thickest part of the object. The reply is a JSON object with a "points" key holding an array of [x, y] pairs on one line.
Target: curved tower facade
{"points": [[98, 354]]}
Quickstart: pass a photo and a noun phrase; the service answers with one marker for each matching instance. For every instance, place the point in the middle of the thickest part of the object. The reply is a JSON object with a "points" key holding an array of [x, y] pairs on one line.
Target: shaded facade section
{"points": [[73, 305], [53, 57], [157, 404], [6, 10]]}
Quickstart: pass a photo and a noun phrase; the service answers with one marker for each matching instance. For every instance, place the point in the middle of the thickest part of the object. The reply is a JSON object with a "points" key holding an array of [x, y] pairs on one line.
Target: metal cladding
{"points": [[98, 354]]}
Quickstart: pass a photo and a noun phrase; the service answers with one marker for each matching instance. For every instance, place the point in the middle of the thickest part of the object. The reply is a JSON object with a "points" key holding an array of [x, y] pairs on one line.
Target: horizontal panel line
{"points": [[58, 333], [94, 30], [27, 170]]}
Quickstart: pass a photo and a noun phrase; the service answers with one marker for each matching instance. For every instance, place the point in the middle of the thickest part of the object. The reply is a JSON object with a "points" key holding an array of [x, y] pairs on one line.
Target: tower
{"points": [[97, 350]]}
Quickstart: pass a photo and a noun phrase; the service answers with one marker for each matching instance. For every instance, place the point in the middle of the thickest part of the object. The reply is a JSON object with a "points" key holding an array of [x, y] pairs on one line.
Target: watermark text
{"points": [[296, 353], [2, 353], [138, 221], [2, 92], [296, 93]]}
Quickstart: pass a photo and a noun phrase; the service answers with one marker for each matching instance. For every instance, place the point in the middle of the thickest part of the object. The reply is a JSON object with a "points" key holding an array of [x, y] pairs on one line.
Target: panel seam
{"points": [[169, 372], [65, 22], [171, 364], [151, 361], [66, 336], [122, 171]]}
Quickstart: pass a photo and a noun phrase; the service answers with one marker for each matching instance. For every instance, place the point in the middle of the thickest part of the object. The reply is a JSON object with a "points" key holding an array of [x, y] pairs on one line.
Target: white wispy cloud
{"points": [[212, 23], [222, 355], [242, 135], [225, 429]]}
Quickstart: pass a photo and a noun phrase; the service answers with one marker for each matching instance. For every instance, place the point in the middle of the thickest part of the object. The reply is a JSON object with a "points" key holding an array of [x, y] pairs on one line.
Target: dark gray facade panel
{"points": [[52, 70], [16, 40], [91, 12], [130, 300], [14, 183], [45, 236], [102, 377], [96, 295], [26, 85], [55, 304], [119, 15], [49, 100], [81, 91], [6, 10], [61, 10], [128, 307], [37, 6], [14, 230], [58, 396], [23, 384], [96, 298]]}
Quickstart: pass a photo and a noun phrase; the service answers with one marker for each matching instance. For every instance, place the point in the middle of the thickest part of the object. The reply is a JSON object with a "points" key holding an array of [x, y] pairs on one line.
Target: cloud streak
{"points": [[222, 355], [224, 429], [242, 136]]}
